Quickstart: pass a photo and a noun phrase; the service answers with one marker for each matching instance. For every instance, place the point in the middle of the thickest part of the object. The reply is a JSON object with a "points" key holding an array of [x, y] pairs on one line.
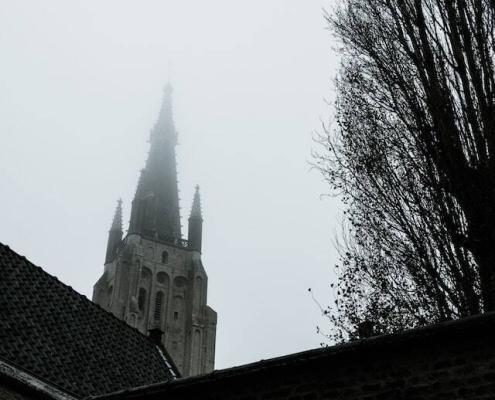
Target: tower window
{"points": [[162, 278], [158, 305], [164, 257], [176, 315], [109, 295], [141, 299], [145, 273]]}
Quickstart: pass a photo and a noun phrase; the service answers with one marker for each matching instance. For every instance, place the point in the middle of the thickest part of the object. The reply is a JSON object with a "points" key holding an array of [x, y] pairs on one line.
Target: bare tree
{"points": [[413, 155]]}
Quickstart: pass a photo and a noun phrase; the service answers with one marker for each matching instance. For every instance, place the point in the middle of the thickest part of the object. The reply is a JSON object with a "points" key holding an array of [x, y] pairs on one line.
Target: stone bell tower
{"points": [[153, 278]]}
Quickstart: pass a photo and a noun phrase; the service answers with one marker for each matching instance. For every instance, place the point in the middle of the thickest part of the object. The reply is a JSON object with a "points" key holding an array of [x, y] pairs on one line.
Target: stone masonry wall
{"points": [[453, 360]]}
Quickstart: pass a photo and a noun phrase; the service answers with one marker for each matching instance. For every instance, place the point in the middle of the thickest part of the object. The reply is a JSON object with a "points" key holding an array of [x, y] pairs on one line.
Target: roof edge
{"points": [[33, 383], [452, 328]]}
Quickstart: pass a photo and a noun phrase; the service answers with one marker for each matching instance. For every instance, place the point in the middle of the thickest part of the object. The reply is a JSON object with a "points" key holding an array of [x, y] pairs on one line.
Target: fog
{"points": [[80, 88]]}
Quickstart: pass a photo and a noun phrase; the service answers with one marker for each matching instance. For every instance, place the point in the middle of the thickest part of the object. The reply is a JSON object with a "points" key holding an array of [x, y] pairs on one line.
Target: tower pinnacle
{"points": [[117, 218], [195, 230], [115, 234], [196, 205]]}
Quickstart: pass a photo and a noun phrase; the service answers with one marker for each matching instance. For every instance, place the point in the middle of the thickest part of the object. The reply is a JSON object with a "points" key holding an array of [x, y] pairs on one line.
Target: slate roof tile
{"points": [[56, 334]]}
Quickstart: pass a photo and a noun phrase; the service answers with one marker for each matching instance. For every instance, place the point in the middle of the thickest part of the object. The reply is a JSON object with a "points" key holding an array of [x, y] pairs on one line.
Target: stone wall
{"points": [[453, 360]]}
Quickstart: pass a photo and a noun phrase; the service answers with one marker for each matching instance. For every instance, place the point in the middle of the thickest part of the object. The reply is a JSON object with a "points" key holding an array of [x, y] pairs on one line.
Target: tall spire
{"points": [[195, 229], [115, 234], [164, 127], [155, 208]]}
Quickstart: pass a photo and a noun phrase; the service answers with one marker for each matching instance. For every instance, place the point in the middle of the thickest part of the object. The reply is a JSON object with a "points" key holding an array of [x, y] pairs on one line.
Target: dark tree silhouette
{"points": [[413, 156]]}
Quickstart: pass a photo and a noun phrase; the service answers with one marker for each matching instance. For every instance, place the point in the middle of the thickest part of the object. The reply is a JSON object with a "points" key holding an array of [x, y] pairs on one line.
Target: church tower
{"points": [[153, 278]]}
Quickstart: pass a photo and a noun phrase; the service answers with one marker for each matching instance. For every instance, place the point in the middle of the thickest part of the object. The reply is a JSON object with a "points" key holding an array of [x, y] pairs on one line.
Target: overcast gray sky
{"points": [[80, 88]]}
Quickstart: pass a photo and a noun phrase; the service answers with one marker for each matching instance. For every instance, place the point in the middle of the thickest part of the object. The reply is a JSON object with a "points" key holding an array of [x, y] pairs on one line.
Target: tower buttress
{"points": [[195, 230], [115, 234]]}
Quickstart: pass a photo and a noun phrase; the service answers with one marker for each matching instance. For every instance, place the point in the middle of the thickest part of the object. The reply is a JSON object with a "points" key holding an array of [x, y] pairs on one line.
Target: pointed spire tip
{"points": [[196, 205], [164, 127], [168, 89], [117, 218]]}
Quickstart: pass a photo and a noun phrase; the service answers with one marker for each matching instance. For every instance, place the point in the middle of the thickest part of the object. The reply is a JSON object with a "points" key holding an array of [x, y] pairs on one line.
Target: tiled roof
{"points": [[56, 334]]}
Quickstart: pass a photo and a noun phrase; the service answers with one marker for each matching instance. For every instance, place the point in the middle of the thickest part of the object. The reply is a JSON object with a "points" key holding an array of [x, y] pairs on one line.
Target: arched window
{"points": [[145, 273], [158, 305], [178, 307], [164, 257], [198, 292], [109, 295], [162, 278], [196, 352], [141, 299]]}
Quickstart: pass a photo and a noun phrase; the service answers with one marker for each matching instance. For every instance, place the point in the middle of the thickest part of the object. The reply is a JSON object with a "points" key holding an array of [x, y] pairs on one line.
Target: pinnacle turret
{"points": [[196, 205], [117, 218], [115, 234], [195, 231]]}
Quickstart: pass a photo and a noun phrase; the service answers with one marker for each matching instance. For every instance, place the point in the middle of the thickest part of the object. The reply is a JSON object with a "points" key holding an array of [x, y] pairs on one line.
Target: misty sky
{"points": [[80, 88]]}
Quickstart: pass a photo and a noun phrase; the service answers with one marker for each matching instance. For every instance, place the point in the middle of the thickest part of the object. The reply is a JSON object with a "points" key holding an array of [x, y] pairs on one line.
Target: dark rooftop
{"points": [[435, 335], [52, 332]]}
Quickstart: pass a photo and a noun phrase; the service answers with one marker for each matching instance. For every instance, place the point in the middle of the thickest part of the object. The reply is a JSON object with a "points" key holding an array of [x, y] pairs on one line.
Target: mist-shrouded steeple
{"points": [[153, 279], [155, 209], [115, 234], [195, 229]]}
